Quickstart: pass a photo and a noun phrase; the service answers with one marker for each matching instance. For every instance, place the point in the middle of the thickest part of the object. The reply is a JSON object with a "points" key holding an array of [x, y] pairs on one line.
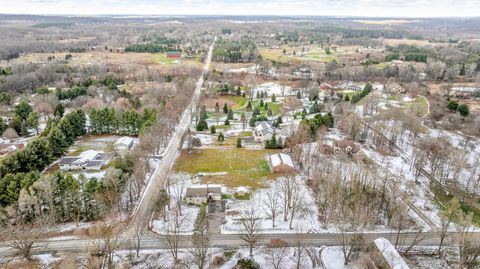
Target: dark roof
{"points": [[68, 160], [93, 163]]}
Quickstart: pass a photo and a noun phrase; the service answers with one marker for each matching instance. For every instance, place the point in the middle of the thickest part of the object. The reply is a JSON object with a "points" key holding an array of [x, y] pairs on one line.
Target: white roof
{"points": [[281, 158], [390, 254], [88, 155], [242, 189], [125, 140]]}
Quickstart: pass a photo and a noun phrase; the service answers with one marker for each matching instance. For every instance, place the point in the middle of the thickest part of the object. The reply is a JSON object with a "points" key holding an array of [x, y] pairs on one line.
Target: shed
{"points": [[280, 163], [242, 191], [124, 143], [390, 258]]}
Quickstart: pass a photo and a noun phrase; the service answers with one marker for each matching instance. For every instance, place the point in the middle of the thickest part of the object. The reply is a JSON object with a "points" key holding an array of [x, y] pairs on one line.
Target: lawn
{"points": [[275, 107], [239, 101], [243, 167], [314, 54], [419, 106]]}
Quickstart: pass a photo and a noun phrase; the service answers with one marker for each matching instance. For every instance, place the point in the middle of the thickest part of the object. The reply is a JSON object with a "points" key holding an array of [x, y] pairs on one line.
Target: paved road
{"points": [[144, 209], [155, 242]]}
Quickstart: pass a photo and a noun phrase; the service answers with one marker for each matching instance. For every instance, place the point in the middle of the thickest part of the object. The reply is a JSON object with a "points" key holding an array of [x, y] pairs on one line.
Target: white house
{"points": [[263, 131], [87, 160], [202, 194], [280, 163], [124, 143]]}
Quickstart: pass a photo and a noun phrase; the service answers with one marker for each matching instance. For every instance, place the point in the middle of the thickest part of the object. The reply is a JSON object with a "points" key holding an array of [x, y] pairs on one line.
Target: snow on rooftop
{"points": [[390, 254], [281, 158], [125, 140], [88, 155]]}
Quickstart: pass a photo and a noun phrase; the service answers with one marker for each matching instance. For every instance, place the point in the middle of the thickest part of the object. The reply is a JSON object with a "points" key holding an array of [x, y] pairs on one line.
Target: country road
{"points": [[142, 212], [155, 242]]}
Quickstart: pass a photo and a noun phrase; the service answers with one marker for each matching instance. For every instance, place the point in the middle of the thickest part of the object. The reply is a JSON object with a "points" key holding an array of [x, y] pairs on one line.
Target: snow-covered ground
{"points": [[305, 220], [273, 88]]}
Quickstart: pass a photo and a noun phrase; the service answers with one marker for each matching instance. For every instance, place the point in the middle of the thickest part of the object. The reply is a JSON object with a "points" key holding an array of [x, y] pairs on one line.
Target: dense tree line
{"points": [[235, 51], [19, 169], [111, 121]]}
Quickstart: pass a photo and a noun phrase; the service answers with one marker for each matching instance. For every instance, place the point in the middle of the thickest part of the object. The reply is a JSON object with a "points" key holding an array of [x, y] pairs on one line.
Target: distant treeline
{"points": [[158, 44], [408, 53]]}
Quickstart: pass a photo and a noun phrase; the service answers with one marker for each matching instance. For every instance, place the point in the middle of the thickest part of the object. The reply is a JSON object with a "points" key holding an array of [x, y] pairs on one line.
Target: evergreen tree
{"points": [[58, 142], [256, 111], [304, 113], [227, 122], [452, 105], [221, 137], [33, 120], [347, 98], [269, 113], [202, 125], [225, 108], [261, 102], [279, 120], [464, 110], [230, 114], [274, 98], [266, 106], [299, 95], [23, 109], [212, 129], [249, 106], [462, 70], [217, 108], [59, 110], [239, 142]]}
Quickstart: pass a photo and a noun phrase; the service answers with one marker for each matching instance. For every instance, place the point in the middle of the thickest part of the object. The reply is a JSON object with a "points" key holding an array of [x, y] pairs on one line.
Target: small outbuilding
{"points": [[386, 256], [124, 143], [242, 191], [280, 163]]}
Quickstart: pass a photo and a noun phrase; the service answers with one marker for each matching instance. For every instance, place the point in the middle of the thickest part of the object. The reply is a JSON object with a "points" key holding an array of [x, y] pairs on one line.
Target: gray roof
{"points": [[68, 160], [93, 163], [203, 190]]}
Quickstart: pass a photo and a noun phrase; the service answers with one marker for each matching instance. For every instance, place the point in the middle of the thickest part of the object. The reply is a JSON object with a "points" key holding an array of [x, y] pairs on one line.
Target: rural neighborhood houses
{"points": [[88, 160], [263, 131]]}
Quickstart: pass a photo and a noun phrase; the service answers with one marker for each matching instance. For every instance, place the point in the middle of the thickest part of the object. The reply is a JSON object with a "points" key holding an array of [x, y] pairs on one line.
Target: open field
{"points": [[233, 166], [312, 54], [396, 42], [234, 102], [108, 57]]}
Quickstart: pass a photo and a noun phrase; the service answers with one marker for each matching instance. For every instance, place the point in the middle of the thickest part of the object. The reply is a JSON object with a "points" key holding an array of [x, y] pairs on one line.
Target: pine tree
{"points": [[261, 102], [304, 113], [59, 110], [221, 137], [212, 129], [464, 110], [57, 141], [266, 106], [227, 122], [239, 142], [269, 113], [249, 105], [225, 108], [274, 98], [299, 95], [462, 70], [230, 114]]}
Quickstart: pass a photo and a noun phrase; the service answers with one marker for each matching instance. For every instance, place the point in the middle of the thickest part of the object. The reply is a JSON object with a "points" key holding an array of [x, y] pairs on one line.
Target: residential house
{"points": [[263, 131], [124, 143], [345, 146], [9, 148], [202, 194], [386, 256], [87, 160], [350, 86], [174, 54], [325, 87], [280, 163]]}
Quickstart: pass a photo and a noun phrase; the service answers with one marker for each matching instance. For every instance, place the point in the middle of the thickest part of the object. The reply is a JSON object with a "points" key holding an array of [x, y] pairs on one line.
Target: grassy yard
{"points": [[240, 101], [314, 54], [243, 167], [275, 107], [418, 106]]}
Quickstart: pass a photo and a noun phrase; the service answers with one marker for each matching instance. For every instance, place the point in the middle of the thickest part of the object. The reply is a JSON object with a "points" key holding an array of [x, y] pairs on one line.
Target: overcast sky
{"points": [[369, 8]]}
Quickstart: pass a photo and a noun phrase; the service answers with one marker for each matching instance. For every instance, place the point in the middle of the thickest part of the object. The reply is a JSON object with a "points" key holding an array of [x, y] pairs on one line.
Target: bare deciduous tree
{"points": [[251, 225]]}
